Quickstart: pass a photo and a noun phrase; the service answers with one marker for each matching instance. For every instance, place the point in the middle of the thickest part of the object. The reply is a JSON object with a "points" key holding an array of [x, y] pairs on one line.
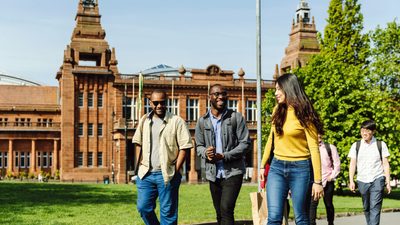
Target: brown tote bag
{"points": [[259, 207]]}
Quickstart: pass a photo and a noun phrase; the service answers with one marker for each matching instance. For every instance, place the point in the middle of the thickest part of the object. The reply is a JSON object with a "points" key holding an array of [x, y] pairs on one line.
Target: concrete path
{"points": [[390, 218]]}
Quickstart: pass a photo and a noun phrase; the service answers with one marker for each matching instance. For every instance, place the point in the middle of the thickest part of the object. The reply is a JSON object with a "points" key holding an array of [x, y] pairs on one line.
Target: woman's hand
{"points": [[261, 174], [317, 191]]}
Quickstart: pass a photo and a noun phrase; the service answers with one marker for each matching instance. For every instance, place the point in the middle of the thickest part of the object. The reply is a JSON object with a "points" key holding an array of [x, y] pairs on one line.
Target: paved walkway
{"points": [[390, 218]]}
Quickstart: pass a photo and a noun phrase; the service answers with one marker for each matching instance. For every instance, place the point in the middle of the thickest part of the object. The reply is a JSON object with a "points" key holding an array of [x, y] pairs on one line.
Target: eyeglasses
{"points": [[156, 103], [217, 94], [366, 131]]}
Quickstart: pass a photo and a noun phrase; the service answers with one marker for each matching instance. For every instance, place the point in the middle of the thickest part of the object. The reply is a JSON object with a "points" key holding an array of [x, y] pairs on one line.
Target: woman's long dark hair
{"points": [[297, 98]]}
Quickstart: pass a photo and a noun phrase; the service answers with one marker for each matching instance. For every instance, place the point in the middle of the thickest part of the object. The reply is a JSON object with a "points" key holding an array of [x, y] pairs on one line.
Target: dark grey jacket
{"points": [[234, 143]]}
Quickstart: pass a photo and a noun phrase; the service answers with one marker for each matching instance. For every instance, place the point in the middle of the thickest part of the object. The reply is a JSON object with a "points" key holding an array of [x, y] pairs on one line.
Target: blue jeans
{"points": [[152, 186], [372, 197], [296, 176]]}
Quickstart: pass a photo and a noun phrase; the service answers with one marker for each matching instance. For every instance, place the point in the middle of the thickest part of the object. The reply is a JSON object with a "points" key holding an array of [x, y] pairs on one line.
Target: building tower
{"points": [[86, 92], [303, 41]]}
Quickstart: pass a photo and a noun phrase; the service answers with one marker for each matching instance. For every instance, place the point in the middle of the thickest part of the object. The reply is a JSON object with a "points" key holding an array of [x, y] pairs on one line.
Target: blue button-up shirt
{"points": [[218, 144]]}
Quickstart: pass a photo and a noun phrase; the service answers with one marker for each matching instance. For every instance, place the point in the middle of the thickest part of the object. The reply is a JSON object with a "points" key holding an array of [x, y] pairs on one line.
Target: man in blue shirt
{"points": [[222, 139]]}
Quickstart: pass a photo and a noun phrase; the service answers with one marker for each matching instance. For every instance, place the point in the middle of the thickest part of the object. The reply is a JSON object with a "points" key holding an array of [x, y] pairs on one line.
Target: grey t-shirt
{"points": [[155, 143]]}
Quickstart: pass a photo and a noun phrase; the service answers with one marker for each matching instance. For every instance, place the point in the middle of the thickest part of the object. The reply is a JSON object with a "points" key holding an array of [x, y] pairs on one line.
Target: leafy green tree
{"points": [[385, 70], [266, 113], [336, 80]]}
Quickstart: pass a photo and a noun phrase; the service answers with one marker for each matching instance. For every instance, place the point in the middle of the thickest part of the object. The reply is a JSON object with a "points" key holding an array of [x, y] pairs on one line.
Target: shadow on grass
{"points": [[24, 195]]}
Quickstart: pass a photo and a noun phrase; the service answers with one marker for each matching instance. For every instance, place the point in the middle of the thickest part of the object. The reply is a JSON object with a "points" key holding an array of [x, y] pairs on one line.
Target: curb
{"points": [[250, 222]]}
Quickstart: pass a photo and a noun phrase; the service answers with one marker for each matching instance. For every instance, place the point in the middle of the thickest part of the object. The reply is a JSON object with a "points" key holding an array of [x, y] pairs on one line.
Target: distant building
{"points": [[303, 42], [83, 128]]}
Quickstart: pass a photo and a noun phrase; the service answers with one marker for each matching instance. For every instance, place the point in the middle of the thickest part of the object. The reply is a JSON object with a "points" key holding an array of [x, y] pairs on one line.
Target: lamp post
{"points": [[258, 63]]}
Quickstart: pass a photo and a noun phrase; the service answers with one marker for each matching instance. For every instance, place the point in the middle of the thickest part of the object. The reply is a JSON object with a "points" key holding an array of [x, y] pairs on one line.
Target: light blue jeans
{"points": [[152, 186], [296, 176]]}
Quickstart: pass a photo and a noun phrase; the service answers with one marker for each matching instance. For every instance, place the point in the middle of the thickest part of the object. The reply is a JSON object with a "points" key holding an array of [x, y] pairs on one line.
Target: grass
{"points": [[63, 203]]}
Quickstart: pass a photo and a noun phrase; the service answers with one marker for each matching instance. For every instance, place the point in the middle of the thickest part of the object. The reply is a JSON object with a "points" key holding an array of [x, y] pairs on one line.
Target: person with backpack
{"points": [[164, 139], [330, 165], [370, 157], [222, 139]]}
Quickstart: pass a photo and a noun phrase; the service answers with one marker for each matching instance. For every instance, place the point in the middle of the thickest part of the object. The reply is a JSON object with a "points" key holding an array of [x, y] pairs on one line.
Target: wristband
{"points": [[318, 183]]}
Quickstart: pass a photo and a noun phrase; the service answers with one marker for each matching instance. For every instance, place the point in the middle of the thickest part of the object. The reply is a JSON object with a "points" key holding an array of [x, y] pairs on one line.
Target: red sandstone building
{"points": [[82, 129]]}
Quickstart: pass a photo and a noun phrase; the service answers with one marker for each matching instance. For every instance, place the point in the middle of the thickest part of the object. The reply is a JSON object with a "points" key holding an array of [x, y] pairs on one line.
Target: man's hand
{"points": [[352, 186], [388, 188], [219, 156], [210, 153]]}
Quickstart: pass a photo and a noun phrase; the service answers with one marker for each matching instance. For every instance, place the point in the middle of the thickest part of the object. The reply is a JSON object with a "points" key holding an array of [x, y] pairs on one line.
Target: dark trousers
{"points": [[224, 193], [328, 201]]}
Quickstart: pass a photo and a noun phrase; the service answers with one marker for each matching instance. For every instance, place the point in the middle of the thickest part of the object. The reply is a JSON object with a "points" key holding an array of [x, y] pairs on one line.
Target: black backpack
{"points": [[378, 143], [329, 150]]}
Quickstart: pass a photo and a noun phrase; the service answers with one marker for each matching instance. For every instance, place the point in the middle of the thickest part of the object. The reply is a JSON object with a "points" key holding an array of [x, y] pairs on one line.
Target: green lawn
{"points": [[63, 203]]}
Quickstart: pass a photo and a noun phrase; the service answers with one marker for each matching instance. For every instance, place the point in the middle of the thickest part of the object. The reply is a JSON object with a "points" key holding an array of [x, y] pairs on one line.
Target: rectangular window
{"points": [[80, 159], [134, 110], [172, 106], [90, 159], [3, 122], [251, 110], [45, 123], [39, 159], [233, 104], [45, 160], [1, 159], [50, 159], [80, 129], [192, 109], [126, 107], [99, 159], [100, 129], [100, 100], [28, 159], [80, 99], [22, 160], [147, 107], [16, 159], [16, 122], [90, 100], [5, 159], [90, 129]]}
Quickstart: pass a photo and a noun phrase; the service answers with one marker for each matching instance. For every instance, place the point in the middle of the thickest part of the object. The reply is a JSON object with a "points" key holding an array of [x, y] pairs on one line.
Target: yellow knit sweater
{"points": [[296, 143]]}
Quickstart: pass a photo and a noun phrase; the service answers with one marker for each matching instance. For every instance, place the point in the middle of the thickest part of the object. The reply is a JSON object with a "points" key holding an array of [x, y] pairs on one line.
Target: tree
{"points": [[336, 80], [266, 114], [385, 70]]}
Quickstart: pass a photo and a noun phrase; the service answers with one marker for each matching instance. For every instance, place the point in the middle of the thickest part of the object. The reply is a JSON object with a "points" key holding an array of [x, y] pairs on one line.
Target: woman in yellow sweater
{"points": [[296, 165]]}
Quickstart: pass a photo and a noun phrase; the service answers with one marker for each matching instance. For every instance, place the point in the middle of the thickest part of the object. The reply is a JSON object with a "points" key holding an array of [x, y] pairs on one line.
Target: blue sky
{"points": [[145, 33]]}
